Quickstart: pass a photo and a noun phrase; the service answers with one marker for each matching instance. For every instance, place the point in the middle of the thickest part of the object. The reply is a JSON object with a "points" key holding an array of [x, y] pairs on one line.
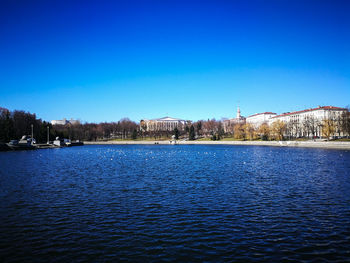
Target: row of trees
{"points": [[265, 132], [209, 128], [13, 125], [122, 129], [280, 130]]}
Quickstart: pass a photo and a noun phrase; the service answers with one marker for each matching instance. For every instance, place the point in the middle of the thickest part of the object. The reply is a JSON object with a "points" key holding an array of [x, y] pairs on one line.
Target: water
{"points": [[175, 203]]}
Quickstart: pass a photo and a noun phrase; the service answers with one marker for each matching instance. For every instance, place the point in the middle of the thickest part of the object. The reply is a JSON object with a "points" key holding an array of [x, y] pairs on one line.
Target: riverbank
{"points": [[306, 144], [6, 148]]}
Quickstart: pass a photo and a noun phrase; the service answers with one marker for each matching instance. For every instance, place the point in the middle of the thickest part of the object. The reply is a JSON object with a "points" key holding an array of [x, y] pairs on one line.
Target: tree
{"points": [[210, 127], [292, 129], [228, 126], [249, 131], [328, 128], [176, 133], [192, 134], [6, 126], [289, 130], [345, 123], [309, 125], [277, 129], [264, 131], [199, 127], [22, 122], [134, 134], [220, 131], [238, 131]]}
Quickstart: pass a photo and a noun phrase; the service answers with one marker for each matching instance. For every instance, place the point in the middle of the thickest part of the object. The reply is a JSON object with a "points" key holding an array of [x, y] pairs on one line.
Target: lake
{"points": [[145, 203]]}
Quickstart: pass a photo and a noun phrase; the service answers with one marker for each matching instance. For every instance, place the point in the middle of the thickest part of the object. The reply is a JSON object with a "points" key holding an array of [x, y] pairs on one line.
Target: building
{"points": [[163, 124], [259, 118], [64, 122], [308, 123], [305, 123], [228, 124]]}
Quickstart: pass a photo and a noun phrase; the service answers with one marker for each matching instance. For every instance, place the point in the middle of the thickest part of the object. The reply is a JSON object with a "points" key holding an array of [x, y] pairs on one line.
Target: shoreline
{"points": [[302, 144]]}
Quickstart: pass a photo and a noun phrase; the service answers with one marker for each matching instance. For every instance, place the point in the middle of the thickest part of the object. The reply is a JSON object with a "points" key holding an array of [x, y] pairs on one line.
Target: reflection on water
{"points": [[184, 203]]}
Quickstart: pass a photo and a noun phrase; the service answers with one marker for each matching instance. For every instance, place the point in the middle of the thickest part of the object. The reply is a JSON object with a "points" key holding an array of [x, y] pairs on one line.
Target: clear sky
{"points": [[104, 60]]}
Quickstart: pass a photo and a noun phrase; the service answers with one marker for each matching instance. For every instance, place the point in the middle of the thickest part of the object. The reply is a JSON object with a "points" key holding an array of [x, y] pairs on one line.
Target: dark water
{"points": [[175, 203]]}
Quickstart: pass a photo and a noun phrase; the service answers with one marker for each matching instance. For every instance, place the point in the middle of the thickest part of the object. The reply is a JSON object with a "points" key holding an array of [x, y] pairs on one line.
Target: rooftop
{"points": [[167, 119], [256, 114], [312, 109]]}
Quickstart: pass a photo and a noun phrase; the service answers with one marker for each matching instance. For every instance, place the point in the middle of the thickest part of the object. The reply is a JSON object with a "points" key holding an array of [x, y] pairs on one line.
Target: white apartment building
{"points": [[163, 124], [64, 122], [259, 118], [307, 123]]}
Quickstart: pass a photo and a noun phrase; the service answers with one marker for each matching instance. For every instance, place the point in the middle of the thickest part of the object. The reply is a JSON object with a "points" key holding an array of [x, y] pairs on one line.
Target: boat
{"points": [[66, 142], [59, 142], [26, 143], [76, 143]]}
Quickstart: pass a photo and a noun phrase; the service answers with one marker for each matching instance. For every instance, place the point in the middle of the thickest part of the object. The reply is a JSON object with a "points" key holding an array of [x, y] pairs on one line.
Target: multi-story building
{"points": [[259, 118], [304, 123], [163, 124], [307, 123]]}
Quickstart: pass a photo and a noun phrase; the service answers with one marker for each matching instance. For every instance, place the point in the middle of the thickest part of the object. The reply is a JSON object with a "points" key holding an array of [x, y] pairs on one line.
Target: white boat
{"points": [[26, 143]]}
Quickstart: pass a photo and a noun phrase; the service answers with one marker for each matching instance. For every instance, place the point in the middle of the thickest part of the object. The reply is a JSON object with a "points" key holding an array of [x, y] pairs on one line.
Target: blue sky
{"points": [[105, 60]]}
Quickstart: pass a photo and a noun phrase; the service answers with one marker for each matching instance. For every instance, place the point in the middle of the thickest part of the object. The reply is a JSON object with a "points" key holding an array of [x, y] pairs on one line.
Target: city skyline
{"points": [[238, 115], [194, 60]]}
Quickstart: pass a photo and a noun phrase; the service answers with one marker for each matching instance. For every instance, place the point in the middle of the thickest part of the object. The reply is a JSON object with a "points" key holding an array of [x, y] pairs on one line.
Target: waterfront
{"points": [[182, 202], [338, 145]]}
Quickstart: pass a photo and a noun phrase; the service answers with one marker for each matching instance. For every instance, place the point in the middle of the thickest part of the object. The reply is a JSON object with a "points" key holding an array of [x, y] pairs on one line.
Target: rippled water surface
{"points": [[175, 203]]}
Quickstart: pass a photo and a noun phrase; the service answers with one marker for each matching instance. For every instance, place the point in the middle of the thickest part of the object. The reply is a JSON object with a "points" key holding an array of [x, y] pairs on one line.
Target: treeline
{"points": [[212, 129], [202, 128], [123, 129], [15, 124]]}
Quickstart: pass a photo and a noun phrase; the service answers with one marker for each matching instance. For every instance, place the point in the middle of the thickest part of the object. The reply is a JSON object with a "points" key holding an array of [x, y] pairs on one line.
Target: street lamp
{"points": [[48, 135], [32, 133]]}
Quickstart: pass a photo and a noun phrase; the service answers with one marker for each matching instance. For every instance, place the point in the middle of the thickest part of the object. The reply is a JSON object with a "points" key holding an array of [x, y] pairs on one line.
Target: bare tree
{"points": [[345, 123]]}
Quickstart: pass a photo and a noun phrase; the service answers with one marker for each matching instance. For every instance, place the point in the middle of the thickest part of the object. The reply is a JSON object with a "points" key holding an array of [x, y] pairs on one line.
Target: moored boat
{"points": [[26, 143], [76, 143]]}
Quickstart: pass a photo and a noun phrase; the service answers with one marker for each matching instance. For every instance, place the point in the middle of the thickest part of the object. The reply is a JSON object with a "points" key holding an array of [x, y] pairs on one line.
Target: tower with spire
{"points": [[228, 124], [238, 113]]}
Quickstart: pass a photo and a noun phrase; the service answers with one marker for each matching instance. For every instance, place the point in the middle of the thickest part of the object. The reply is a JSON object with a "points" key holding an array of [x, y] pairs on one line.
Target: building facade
{"points": [[259, 118], [308, 123], [163, 124], [305, 123]]}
